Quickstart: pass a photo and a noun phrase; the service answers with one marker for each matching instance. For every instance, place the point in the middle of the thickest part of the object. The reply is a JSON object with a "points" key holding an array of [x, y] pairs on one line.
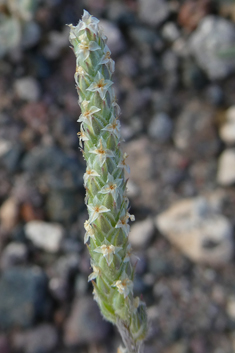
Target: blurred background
{"points": [[175, 83]]}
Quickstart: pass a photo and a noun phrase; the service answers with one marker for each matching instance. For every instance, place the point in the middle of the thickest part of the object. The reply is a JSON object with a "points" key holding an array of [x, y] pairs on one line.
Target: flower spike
{"points": [[107, 227]]}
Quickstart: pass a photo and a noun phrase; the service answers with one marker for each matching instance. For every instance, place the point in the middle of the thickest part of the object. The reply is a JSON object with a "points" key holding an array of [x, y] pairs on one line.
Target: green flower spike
{"points": [[108, 226]]}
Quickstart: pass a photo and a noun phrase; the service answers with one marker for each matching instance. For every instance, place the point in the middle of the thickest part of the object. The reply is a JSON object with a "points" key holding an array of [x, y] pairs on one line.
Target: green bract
{"points": [[108, 227]]}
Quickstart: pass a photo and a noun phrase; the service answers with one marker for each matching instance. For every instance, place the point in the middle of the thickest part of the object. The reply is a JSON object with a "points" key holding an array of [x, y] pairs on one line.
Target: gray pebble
{"points": [[227, 130], [214, 35], [153, 12], [31, 34], [27, 88], [160, 127], [85, 323], [194, 131], [47, 236], [13, 254], [198, 229], [226, 168], [141, 233], [42, 338], [115, 41], [23, 297], [170, 32]]}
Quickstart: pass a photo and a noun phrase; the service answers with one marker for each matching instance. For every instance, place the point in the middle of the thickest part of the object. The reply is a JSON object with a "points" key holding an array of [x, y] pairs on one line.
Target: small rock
{"points": [[9, 212], [84, 323], [170, 61], [47, 236], [115, 39], [29, 213], [226, 167], [227, 130], [53, 168], [27, 88], [57, 42], [35, 115], [215, 94], [160, 127], [127, 65], [197, 228], [4, 345], [5, 146], [81, 285], [63, 205], [132, 189], [178, 347], [10, 33], [231, 307], [191, 13], [11, 159], [23, 297], [31, 34], [58, 289], [170, 32], [13, 254], [60, 275], [194, 132], [141, 233], [42, 338], [142, 36], [214, 35], [153, 12]]}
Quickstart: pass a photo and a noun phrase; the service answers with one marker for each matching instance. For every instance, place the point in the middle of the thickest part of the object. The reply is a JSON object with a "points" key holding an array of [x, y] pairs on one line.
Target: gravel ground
{"points": [[175, 83]]}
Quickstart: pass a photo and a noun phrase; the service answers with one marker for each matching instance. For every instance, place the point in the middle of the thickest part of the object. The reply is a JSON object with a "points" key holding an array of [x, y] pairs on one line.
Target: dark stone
{"points": [[85, 323], [63, 205], [55, 168], [23, 297]]}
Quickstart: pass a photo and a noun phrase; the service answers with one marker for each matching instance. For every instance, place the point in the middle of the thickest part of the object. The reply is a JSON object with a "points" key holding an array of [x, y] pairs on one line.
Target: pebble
{"points": [[231, 307], [170, 61], [178, 347], [54, 168], [31, 34], [160, 127], [81, 285], [9, 212], [214, 35], [85, 323], [60, 275], [115, 41], [57, 41], [13, 254], [10, 33], [5, 146], [42, 338], [4, 345], [191, 13], [27, 88], [132, 189], [153, 12], [226, 167], [142, 36], [141, 233], [127, 65], [11, 159], [47, 236], [63, 205], [227, 130], [194, 131], [198, 229], [23, 297], [215, 94], [170, 32]]}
